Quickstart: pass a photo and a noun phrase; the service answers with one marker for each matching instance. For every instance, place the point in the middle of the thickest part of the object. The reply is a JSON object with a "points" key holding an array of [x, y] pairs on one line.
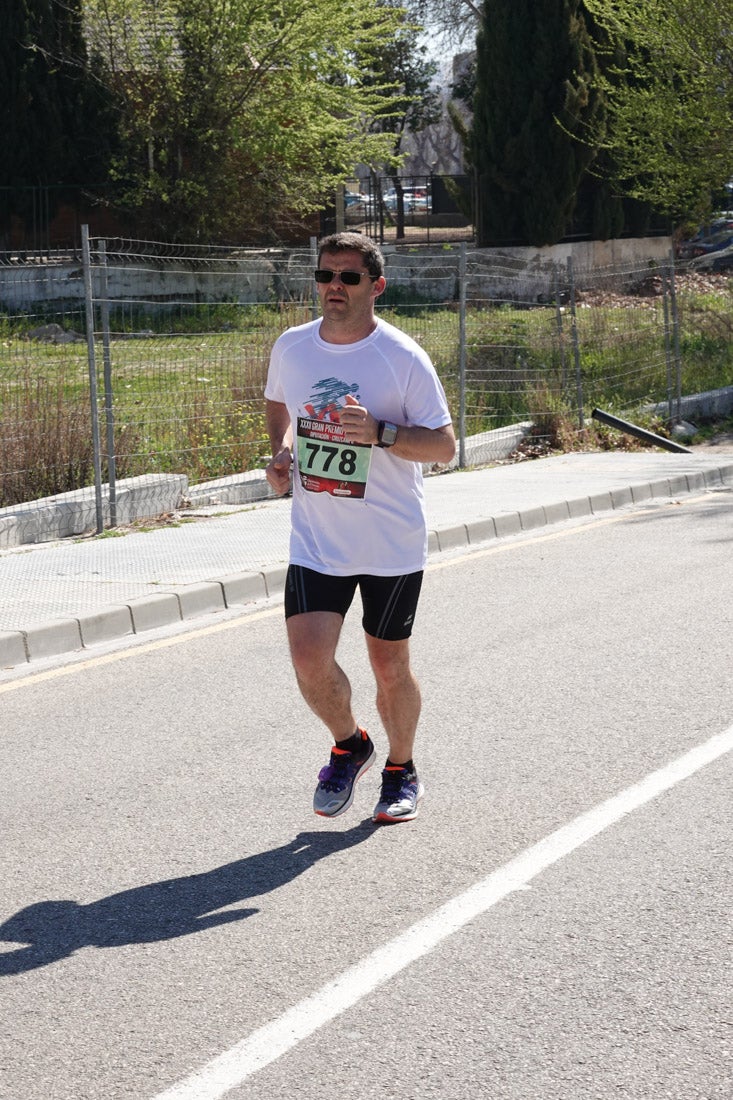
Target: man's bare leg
{"points": [[326, 689], [399, 704], [313, 638], [398, 695]]}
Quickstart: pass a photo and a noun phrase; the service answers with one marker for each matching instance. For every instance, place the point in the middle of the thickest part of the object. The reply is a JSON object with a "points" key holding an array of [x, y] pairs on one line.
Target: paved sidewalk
{"points": [[60, 597]]}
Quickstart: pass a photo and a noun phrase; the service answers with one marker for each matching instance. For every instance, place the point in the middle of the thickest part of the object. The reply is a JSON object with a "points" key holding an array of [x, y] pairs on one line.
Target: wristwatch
{"points": [[386, 433]]}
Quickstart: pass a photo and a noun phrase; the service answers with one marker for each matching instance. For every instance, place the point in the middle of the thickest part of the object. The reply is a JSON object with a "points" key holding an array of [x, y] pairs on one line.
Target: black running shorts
{"points": [[388, 603]]}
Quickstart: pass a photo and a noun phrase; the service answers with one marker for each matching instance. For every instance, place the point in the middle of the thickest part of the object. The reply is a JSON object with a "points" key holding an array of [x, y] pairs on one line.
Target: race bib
{"points": [[327, 463]]}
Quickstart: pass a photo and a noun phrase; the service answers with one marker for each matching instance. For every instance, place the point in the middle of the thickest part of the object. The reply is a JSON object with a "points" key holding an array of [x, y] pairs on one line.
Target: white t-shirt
{"points": [[356, 509]]}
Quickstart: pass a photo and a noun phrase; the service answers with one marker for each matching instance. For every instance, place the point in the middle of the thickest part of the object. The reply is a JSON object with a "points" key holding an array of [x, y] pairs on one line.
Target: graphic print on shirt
{"points": [[327, 462]]}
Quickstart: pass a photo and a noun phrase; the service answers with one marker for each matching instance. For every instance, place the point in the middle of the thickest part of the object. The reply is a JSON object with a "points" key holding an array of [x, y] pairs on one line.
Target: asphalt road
{"points": [[556, 925]]}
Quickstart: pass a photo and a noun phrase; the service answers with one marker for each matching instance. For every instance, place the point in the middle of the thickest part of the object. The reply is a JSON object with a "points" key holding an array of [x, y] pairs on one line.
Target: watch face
{"points": [[388, 434]]}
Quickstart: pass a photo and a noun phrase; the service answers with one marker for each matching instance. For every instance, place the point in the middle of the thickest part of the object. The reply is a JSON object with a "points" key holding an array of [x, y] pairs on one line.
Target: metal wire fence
{"points": [[145, 362]]}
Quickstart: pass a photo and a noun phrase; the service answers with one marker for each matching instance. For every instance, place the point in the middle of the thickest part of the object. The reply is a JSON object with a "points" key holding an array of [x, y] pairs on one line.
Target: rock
{"points": [[683, 430], [54, 334]]}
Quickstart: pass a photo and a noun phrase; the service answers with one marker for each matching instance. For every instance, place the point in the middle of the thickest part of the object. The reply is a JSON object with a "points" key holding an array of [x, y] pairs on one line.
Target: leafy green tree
{"points": [[536, 98], [235, 113], [669, 88]]}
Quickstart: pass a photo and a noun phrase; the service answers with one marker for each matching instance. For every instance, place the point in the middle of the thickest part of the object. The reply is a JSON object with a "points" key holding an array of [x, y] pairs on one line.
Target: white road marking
{"points": [[276, 1038]]}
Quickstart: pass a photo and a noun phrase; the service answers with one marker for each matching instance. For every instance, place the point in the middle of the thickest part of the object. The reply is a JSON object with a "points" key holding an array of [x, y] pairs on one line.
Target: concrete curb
{"points": [[184, 604], [711, 405], [74, 513], [118, 621]]}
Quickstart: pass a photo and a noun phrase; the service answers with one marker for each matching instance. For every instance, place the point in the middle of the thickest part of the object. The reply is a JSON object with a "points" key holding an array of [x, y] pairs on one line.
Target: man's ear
{"points": [[379, 285]]}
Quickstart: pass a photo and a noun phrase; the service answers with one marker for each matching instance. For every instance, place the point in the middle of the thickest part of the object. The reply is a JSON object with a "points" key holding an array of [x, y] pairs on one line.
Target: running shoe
{"points": [[401, 793], [335, 790]]}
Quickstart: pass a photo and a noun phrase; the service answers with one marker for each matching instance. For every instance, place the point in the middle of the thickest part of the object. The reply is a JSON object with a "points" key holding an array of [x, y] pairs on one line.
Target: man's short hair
{"points": [[354, 242]]}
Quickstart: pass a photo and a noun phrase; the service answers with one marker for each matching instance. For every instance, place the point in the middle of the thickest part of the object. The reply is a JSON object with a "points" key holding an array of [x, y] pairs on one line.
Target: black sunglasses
{"points": [[348, 278]]}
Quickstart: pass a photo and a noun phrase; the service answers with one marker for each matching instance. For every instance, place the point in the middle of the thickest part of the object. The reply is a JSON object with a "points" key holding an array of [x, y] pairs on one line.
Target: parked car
{"points": [[709, 238], [415, 199], [357, 206], [721, 259]]}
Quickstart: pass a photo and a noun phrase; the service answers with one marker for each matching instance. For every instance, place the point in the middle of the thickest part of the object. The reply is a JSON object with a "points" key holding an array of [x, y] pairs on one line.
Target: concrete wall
{"points": [[245, 279], [587, 255], [519, 274], [274, 275]]}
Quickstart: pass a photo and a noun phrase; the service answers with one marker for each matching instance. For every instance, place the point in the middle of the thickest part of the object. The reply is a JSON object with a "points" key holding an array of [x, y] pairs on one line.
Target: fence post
{"points": [[93, 399], [675, 332], [314, 264], [667, 342], [560, 332], [462, 356], [109, 416], [576, 345]]}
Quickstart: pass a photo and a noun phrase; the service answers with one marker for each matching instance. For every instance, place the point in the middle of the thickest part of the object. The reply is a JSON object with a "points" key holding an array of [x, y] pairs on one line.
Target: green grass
{"points": [[187, 398]]}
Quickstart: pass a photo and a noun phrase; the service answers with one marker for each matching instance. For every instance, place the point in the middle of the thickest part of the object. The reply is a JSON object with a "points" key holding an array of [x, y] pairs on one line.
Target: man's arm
{"points": [[425, 444], [415, 444], [280, 432]]}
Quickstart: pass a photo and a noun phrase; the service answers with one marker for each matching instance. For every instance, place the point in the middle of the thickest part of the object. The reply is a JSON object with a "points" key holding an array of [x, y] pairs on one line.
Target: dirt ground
{"points": [[721, 441]]}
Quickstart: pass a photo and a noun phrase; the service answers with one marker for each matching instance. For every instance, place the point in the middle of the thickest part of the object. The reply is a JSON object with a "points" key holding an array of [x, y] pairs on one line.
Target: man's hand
{"points": [[357, 422], [277, 471]]}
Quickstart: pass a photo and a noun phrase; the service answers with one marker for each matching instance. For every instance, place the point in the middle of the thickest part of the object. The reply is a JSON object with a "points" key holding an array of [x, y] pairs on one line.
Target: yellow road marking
{"points": [[501, 547], [136, 650]]}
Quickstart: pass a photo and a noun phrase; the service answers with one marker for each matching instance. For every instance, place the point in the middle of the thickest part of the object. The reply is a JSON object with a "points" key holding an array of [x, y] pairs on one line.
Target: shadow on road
{"points": [[53, 930]]}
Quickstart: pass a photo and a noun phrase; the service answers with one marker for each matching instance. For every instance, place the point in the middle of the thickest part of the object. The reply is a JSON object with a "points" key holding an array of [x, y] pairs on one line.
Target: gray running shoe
{"points": [[401, 793], [335, 790]]}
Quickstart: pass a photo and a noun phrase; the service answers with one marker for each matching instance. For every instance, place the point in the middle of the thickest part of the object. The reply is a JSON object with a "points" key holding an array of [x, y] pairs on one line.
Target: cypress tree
{"points": [[534, 106], [56, 122]]}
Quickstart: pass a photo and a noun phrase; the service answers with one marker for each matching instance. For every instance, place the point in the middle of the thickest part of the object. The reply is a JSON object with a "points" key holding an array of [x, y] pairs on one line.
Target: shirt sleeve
{"points": [[425, 401], [273, 385]]}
